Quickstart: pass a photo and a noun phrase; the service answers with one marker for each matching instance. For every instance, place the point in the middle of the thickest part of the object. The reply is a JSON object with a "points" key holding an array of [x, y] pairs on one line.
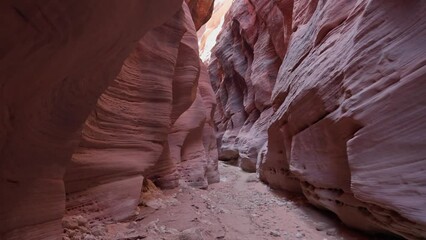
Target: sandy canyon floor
{"points": [[239, 207]]}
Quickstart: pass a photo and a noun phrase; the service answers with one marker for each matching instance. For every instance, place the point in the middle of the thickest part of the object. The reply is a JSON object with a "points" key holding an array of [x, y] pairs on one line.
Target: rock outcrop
{"points": [[59, 100], [327, 98]]}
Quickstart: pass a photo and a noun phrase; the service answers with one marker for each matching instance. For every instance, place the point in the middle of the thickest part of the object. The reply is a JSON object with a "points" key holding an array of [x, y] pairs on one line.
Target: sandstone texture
{"points": [[327, 98], [208, 33], [90, 95], [153, 121], [201, 11]]}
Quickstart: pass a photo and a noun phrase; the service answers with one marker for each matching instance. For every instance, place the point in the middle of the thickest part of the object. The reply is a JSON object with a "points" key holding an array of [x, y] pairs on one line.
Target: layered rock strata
{"points": [[208, 33], [327, 98], [59, 100], [149, 123], [52, 74]]}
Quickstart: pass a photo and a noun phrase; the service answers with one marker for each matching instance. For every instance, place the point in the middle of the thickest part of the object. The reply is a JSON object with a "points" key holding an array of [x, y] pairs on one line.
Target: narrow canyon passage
{"points": [[238, 207], [175, 119]]}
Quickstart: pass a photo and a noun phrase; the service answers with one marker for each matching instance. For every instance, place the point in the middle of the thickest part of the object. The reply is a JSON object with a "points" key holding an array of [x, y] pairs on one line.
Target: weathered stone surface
{"points": [[126, 137], [243, 69], [125, 134], [59, 100], [208, 33], [56, 58], [330, 95], [201, 11]]}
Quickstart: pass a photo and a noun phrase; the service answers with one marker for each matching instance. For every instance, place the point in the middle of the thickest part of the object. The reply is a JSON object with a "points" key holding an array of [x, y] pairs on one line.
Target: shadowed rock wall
{"points": [[59, 101], [149, 123]]}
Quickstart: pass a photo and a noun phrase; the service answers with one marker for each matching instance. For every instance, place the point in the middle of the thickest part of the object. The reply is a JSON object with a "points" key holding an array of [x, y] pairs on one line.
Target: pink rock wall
{"points": [[201, 11], [243, 69], [59, 100], [148, 123], [327, 98]]}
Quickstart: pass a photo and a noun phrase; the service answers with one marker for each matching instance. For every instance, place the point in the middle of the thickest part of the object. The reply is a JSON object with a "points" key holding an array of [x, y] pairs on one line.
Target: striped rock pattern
{"points": [[327, 98]]}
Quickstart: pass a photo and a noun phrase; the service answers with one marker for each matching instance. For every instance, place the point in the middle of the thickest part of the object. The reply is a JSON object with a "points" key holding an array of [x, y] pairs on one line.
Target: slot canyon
{"points": [[212, 119]]}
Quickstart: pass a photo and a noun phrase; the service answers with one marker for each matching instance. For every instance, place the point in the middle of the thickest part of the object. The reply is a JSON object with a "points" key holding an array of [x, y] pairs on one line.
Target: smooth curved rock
{"points": [[125, 134], [341, 86], [56, 58], [243, 70], [70, 60], [208, 33], [201, 11], [126, 137]]}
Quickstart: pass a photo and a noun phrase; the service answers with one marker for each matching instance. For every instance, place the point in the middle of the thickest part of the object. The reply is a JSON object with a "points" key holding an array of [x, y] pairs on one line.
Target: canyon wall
{"points": [[150, 122], [201, 11], [208, 33], [80, 130], [327, 98]]}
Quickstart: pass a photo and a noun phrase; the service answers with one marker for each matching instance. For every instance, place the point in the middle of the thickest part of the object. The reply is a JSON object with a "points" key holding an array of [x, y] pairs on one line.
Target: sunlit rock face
{"points": [[243, 68], [65, 94], [153, 121], [208, 33], [327, 98]]}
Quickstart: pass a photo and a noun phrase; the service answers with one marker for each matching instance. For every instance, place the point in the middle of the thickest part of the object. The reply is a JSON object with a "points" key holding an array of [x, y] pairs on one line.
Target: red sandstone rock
{"points": [[126, 137], [208, 33], [125, 134], [247, 62], [201, 11], [57, 59], [340, 87]]}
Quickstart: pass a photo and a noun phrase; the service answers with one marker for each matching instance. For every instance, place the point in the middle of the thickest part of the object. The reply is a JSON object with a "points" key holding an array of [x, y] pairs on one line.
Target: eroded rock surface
{"points": [[328, 98], [201, 11], [208, 33], [59, 101], [151, 122], [56, 58]]}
